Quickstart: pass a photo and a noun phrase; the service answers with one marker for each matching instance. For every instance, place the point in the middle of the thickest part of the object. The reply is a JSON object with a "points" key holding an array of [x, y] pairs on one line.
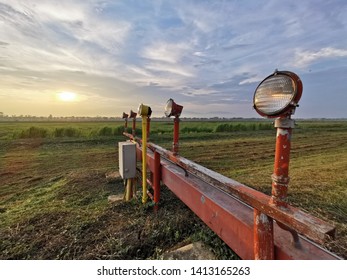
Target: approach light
{"points": [[278, 94], [172, 109], [144, 110], [125, 116], [132, 114]]}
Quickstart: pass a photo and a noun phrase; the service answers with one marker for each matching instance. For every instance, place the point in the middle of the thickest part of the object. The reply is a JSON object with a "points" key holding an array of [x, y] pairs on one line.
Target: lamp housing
{"points": [[144, 110], [172, 108], [278, 94], [125, 116], [132, 114]]}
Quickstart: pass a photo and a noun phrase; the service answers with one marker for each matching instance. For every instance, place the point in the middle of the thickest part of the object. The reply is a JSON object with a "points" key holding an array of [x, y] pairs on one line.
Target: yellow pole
{"points": [[129, 190], [144, 159]]}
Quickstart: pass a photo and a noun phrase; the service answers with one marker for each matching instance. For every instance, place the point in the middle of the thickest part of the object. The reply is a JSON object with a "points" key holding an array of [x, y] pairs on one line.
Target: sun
{"points": [[67, 96]]}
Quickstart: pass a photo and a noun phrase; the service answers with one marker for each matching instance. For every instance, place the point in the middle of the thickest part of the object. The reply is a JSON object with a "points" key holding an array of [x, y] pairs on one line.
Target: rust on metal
{"points": [[264, 248], [280, 178]]}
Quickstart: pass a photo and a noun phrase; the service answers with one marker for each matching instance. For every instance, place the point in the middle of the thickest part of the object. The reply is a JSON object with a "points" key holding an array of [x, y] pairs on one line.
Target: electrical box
{"points": [[127, 159]]}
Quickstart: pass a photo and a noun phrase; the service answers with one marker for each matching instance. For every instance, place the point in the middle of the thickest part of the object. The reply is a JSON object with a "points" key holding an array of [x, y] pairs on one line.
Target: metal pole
{"points": [[129, 190], [280, 178], [144, 160], [148, 126], [264, 248], [175, 144], [134, 126], [156, 179]]}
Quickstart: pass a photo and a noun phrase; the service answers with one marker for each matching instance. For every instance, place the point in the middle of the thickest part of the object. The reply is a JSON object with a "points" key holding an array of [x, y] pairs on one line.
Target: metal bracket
{"points": [[284, 123]]}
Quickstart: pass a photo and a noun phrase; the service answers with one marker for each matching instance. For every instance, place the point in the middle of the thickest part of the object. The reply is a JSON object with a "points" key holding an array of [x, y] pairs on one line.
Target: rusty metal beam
{"points": [[302, 222], [227, 207], [231, 219]]}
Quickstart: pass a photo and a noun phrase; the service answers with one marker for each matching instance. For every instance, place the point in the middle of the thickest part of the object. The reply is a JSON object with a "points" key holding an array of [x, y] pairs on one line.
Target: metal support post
{"points": [[144, 160], [129, 190], [175, 144], [264, 248], [134, 126], [148, 127], [280, 178], [156, 179]]}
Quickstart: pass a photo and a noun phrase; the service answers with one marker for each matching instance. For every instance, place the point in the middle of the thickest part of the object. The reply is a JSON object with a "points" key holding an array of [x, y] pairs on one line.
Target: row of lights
{"points": [[171, 109]]}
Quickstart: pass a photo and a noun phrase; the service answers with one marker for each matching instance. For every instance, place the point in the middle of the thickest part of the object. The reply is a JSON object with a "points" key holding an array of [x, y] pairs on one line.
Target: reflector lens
{"points": [[168, 108], [276, 94]]}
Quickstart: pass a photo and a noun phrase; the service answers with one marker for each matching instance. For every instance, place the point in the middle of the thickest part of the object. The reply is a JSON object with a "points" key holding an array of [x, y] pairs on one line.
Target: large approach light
{"points": [[125, 116], [278, 94], [172, 109]]}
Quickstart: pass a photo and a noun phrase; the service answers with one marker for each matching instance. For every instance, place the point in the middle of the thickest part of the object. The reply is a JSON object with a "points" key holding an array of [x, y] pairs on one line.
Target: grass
{"points": [[53, 191]]}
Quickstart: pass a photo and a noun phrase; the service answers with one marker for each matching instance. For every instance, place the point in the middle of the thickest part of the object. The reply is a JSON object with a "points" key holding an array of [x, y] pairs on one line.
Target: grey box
{"points": [[127, 159]]}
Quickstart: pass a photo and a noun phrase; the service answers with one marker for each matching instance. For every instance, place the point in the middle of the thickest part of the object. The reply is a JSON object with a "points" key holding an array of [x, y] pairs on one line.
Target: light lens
{"points": [[275, 95], [168, 108]]}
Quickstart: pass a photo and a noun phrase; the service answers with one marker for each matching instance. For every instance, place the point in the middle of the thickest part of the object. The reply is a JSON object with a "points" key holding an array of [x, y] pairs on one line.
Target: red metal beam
{"points": [[229, 218], [227, 207], [305, 224]]}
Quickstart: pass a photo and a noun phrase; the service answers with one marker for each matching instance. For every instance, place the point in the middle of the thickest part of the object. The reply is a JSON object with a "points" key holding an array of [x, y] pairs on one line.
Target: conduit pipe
{"points": [[145, 112]]}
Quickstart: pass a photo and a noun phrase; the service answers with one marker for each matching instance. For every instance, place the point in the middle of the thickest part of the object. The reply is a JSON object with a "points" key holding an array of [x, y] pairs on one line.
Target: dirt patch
{"points": [[192, 251]]}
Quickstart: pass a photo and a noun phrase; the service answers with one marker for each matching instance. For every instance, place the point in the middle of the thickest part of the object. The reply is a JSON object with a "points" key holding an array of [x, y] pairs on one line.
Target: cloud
{"points": [[305, 58], [166, 52], [251, 80]]}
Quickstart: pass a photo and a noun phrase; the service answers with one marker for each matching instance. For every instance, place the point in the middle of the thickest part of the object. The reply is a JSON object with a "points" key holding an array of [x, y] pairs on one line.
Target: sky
{"points": [[105, 57]]}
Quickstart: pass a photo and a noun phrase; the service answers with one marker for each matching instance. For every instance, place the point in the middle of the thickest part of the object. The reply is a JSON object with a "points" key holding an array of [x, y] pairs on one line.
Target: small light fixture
{"points": [[278, 94], [172, 109], [144, 110], [132, 114]]}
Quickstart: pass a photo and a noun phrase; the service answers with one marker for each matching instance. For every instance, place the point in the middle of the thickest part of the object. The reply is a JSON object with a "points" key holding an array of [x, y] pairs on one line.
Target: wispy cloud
{"points": [[305, 58]]}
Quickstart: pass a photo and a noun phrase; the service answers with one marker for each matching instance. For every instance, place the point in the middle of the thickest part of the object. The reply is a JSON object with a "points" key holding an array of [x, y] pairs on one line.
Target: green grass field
{"points": [[53, 190]]}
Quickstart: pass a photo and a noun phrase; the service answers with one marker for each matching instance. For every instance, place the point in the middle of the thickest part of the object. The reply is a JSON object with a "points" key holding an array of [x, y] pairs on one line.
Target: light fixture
{"points": [[144, 110], [125, 116], [132, 114], [172, 109], [278, 94]]}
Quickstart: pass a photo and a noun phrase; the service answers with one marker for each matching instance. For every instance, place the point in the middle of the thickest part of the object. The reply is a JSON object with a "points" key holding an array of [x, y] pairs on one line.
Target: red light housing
{"points": [[172, 109], [132, 114], [278, 94]]}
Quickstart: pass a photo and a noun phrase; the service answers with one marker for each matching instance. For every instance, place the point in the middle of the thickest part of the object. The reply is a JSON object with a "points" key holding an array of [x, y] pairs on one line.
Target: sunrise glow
{"points": [[67, 96]]}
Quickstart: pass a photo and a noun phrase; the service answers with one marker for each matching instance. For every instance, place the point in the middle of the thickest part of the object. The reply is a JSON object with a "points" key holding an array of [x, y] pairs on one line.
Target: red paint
{"points": [[175, 145], [134, 127], [280, 178], [264, 248], [156, 179]]}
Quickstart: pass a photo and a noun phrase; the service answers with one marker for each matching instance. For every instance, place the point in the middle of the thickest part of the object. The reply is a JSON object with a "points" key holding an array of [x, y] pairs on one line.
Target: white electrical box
{"points": [[127, 159]]}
